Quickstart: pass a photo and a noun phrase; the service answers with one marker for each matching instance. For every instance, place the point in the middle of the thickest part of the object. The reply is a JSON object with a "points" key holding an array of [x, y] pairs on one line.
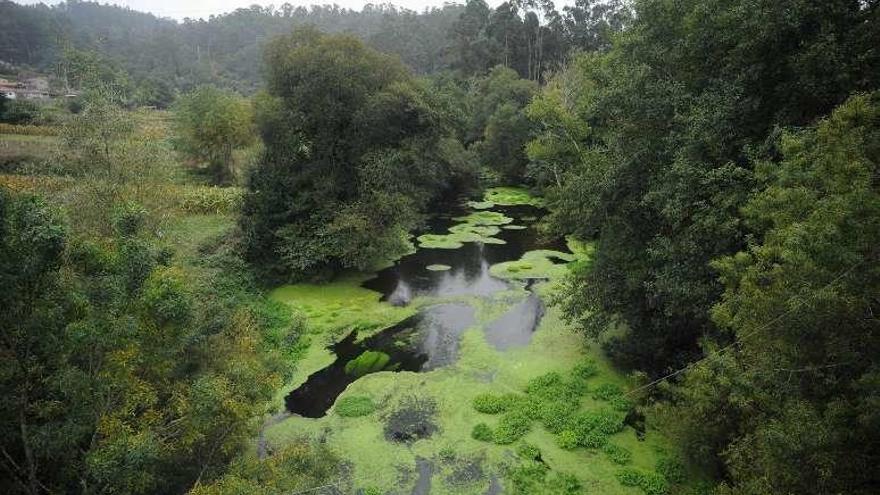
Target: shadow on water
{"points": [[430, 339]]}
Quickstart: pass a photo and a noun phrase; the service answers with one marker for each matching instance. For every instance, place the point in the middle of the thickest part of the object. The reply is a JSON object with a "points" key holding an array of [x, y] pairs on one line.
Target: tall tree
{"points": [[677, 111], [209, 125], [792, 407], [354, 150]]}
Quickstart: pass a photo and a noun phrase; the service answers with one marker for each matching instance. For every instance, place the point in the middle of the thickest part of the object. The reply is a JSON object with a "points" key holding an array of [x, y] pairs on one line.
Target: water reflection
{"points": [[431, 338], [469, 272], [420, 343]]}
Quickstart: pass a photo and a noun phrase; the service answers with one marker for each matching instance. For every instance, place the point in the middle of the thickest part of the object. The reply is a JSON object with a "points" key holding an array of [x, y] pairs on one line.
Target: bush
{"points": [[513, 426], [355, 406], [606, 422], [671, 469], [535, 477], [567, 439], [607, 392], [650, 483], [618, 455], [592, 439], [528, 452], [585, 369], [553, 387], [21, 112], [620, 404], [204, 200], [494, 404], [556, 416], [482, 432]]}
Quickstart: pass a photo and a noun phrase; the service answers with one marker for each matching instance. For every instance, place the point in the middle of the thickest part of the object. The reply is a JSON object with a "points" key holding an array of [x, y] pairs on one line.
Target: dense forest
{"points": [[157, 56], [617, 247]]}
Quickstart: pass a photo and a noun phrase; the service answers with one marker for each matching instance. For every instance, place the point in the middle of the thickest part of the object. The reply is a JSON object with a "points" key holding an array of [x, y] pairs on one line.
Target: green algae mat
{"points": [[547, 417]]}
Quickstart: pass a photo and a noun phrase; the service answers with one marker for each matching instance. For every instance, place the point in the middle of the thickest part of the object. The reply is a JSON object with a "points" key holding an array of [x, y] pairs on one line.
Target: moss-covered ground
{"points": [[390, 425]]}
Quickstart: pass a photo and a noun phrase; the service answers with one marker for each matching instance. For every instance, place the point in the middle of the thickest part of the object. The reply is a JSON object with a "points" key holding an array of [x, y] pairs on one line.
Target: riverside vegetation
{"points": [[623, 248]]}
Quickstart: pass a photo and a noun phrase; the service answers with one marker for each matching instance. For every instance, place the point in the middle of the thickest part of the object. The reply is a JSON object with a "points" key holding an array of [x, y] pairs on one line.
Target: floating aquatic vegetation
{"points": [[534, 264], [511, 196], [485, 218], [342, 303], [368, 362], [354, 406], [480, 205], [479, 226]]}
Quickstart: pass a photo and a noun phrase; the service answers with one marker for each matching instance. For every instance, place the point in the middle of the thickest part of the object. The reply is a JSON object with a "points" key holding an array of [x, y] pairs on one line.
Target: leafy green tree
{"points": [[209, 125], [791, 409], [32, 240], [561, 135], [119, 379], [355, 149], [676, 113], [499, 126]]}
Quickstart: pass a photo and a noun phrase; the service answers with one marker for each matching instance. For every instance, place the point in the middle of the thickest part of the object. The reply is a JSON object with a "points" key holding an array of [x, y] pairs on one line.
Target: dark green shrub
{"points": [[609, 422], [355, 406], [494, 404], [556, 416], [482, 432], [649, 482], [513, 425], [618, 455], [562, 483], [593, 439], [671, 469], [535, 477], [585, 369], [620, 404], [553, 387], [606, 422], [528, 451], [607, 391], [567, 439], [629, 477]]}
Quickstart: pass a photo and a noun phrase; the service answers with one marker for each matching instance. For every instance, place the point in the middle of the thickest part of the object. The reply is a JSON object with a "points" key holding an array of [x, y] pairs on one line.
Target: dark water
{"points": [[420, 343], [430, 339], [469, 275]]}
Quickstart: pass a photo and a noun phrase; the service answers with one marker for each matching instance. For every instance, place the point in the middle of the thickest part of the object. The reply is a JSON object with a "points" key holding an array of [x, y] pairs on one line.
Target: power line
{"points": [[740, 338]]}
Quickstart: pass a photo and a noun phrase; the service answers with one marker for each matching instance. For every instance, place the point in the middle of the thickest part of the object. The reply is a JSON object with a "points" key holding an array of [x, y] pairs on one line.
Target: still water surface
{"points": [[430, 339]]}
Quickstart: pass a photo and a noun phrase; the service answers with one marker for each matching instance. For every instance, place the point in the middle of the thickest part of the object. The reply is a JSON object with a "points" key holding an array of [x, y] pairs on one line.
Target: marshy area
{"points": [[447, 371]]}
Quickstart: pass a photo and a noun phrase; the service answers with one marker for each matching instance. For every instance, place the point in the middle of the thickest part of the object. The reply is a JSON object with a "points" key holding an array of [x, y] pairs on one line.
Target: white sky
{"points": [[178, 9]]}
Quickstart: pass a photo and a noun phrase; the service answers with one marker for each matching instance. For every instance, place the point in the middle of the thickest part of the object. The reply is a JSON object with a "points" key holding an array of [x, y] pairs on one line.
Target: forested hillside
{"points": [[161, 54], [617, 247]]}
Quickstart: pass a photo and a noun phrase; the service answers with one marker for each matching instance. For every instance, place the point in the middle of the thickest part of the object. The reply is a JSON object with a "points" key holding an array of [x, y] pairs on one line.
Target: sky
{"points": [[178, 9]]}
